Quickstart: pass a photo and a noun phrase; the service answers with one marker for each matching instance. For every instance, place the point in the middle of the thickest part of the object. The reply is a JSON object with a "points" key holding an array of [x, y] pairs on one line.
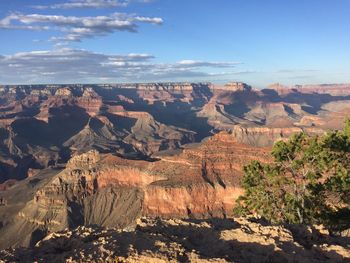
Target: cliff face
{"points": [[106, 190], [331, 89], [44, 125], [106, 155], [265, 137]]}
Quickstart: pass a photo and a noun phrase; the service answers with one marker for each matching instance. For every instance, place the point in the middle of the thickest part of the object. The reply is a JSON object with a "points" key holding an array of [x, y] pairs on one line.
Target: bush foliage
{"points": [[308, 182]]}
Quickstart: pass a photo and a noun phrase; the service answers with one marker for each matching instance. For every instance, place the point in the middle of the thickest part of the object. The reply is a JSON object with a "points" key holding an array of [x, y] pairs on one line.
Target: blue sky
{"points": [[255, 41]]}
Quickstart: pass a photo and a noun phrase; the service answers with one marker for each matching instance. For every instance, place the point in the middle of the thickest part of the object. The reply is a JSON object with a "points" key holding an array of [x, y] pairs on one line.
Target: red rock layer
{"points": [[201, 181]]}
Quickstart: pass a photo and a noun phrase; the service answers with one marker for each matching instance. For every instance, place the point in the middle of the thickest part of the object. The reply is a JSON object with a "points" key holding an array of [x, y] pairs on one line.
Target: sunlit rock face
{"points": [[108, 154], [43, 126], [110, 191]]}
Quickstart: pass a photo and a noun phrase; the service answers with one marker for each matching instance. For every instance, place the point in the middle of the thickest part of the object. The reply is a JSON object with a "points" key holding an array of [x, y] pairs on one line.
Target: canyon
{"points": [[107, 155], [111, 191], [44, 125]]}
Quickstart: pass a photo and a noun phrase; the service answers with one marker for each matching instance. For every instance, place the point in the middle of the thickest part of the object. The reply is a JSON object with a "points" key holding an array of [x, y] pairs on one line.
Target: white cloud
{"points": [[75, 65], [76, 28], [194, 63], [296, 71], [85, 4]]}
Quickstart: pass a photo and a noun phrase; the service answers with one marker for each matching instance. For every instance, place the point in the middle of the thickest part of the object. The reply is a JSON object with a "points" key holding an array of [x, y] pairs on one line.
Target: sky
{"points": [[107, 41]]}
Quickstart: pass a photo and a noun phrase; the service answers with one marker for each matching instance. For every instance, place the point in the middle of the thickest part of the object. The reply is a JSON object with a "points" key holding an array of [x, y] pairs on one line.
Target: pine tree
{"points": [[337, 185], [307, 182]]}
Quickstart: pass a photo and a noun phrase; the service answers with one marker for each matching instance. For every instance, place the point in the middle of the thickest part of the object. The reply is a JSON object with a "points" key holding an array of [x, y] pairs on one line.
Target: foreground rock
{"points": [[175, 240]]}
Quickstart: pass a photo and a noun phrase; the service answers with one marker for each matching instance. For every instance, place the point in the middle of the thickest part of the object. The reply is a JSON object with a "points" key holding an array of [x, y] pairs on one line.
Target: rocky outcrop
{"points": [[90, 101], [106, 190], [174, 240], [235, 87], [265, 137], [82, 194], [85, 160], [64, 92]]}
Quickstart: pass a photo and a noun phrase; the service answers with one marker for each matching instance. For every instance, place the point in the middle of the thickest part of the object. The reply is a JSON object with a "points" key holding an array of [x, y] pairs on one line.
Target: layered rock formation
{"points": [[332, 89], [106, 190], [45, 125], [138, 150], [215, 240]]}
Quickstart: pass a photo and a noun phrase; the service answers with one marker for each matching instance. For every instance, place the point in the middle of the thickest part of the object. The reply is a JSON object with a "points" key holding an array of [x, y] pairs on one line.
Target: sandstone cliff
{"points": [[106, 190]]}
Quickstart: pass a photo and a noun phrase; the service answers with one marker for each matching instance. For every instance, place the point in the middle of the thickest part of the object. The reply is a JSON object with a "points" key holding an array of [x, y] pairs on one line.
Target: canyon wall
{"points": [[107, 154], [106, 190]]}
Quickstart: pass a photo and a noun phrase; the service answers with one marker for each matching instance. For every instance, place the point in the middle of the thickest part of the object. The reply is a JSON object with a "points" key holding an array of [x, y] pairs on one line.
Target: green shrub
{"points": [[308, 181]]}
